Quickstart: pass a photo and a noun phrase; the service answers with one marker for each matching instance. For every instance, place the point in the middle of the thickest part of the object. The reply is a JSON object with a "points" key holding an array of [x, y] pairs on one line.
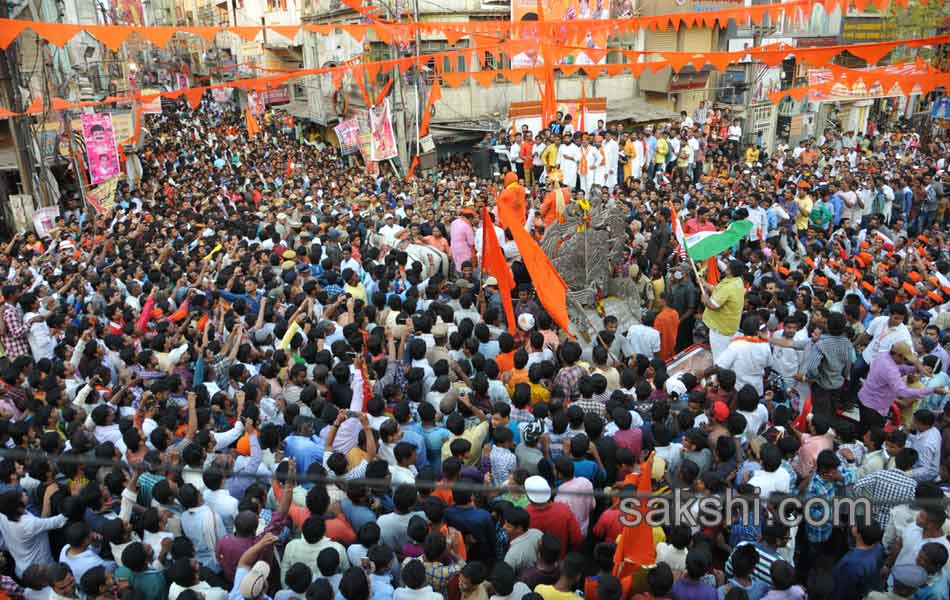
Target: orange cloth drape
{"points": [[667, 323], [494, 263], [252, 127], [548, 283], [635, 547]]}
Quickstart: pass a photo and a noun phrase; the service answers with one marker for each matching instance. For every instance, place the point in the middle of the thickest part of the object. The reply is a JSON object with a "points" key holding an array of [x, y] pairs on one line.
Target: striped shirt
{"points": [[763, 568]]}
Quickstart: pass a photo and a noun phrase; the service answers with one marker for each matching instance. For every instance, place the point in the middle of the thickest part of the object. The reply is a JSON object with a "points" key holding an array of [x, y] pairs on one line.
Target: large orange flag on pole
{"points": [[252, 127], [548, 283], [494, 264]]}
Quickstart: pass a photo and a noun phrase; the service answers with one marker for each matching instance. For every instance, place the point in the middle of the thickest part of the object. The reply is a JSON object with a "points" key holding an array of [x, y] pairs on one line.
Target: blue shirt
{"points": [[590, 471], [416, 439], [305, 451], [477, 523], [858, 572], [357, 516], [253, 302], [837, 204]]}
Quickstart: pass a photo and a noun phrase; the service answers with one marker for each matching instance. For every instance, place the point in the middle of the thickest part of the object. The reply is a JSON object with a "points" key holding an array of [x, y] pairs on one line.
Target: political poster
{"points": [[101, 154], [129, 12], [221, 95], [565, 11], [348, 132], [102, 198], [255, 101], [383, 138], [44, 220]]}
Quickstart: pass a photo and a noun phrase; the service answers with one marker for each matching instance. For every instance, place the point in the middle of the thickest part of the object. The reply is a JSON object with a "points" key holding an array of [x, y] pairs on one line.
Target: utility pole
{"points": [[9, 79], [419, 107], [399, 105]]}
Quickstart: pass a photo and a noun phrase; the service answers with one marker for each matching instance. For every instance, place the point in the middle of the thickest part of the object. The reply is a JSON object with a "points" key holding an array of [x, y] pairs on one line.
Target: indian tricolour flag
{"points": [[705, 244]]}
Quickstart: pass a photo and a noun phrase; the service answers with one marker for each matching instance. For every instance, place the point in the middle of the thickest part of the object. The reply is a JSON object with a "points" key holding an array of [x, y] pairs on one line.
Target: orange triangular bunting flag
{"points": [[593, 71], [245, 33], [206, 33], [516, 75], [568, 70], [452, 36], [113, 36], [719, 60], [614, 69], [288, 31], [453, 79], [678, 60], [57, 34], [818, 57], [9, 30], [485, 78], [871, 53], [159, 36], [193, 95]]}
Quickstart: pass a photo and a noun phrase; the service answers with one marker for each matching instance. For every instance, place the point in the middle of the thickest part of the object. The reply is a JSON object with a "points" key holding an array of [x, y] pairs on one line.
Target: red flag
{"points": [[548, 283], [290, 167], [494, 263]]}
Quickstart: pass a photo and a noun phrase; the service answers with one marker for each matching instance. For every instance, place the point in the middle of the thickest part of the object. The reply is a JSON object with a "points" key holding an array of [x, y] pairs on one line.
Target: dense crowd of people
{"points": [[243, 382]]}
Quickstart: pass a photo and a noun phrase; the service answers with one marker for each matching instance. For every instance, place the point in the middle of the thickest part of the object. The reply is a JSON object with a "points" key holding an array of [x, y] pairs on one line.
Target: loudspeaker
{"points": [[481, 161]]}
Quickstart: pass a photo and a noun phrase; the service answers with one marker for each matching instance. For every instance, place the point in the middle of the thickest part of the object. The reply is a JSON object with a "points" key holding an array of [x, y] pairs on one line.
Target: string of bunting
{"points": [[113, 36], [920, 77]]}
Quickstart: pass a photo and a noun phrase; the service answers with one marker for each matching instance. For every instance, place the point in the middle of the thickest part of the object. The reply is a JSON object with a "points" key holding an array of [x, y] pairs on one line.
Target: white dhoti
{"points": [[586, 181], [718, 342]]}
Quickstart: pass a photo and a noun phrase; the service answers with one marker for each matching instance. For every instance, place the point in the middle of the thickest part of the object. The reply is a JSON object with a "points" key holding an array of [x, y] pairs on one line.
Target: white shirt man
{"points": [[883, 337], [644, 340], [588, 161], [568, 159], [612, 152], [514, 153], [748, 356]]}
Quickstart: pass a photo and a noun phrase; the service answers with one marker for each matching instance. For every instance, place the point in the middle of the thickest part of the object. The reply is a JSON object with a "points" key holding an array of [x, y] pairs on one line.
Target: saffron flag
{"points": [[252, 127], [494, 264], [548, 283]]}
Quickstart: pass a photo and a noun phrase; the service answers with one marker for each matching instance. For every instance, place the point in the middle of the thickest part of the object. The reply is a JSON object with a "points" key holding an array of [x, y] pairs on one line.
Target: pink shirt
{"points": [[578, 495], [812, 446], [463, 239]]}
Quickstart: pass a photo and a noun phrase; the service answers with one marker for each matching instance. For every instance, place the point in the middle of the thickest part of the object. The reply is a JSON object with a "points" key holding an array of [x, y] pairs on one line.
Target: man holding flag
{"points": [[724, 300]]}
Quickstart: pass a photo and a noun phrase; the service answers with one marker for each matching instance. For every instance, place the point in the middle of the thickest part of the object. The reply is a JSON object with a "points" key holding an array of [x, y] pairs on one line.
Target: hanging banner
{"points": [[278, 95], [101, 153], [102, 198], [566, 11], [383, 141], [44, 220], [155, 106], [255, 101], [348, 132], [362, 118], [129, 12], [221, 95], [181, 81]]}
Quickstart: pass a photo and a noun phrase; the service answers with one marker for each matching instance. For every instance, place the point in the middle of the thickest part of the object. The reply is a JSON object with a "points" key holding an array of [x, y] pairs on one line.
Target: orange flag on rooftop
{"points": [[494, 264], [252, 127], [548, 283]]}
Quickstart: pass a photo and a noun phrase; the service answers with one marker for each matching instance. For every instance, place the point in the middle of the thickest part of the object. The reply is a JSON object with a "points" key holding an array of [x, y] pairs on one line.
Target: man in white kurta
{"points": [[588, 162], [639, 156], [612, 153], [568, 159], [748, 356]]}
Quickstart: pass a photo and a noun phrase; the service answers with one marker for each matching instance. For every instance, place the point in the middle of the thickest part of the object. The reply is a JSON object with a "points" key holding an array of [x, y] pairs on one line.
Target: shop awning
{"points": [[637, 110], [683, 82]]}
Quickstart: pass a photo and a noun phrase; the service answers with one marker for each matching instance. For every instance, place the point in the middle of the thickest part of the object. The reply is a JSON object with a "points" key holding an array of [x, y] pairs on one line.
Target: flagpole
{"points": [[689, 258]]}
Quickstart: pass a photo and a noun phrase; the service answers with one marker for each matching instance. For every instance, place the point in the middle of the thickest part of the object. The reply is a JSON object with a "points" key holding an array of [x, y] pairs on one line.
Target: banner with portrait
{"points": [[383, 139], [101, 154], [567, 10], [348, 132], [102, 198], [155, 106]]}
